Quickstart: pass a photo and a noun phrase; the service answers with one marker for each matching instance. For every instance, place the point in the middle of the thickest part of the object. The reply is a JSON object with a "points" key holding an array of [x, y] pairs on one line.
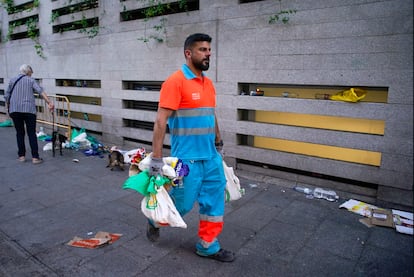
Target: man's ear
{"points": [[187, 53]]}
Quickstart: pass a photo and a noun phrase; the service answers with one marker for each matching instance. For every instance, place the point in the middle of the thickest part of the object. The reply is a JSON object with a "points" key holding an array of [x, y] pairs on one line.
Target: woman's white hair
{"points": [[25, 69]]}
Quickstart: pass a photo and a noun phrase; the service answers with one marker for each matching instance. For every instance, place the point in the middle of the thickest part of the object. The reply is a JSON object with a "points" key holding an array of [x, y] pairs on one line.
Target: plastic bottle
{"points": [[320, 193], [329, 195], [307, 191], [303, 190]]}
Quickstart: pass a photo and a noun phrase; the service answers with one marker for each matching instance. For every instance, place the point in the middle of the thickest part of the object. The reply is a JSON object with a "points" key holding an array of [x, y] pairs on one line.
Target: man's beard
{"points": [[201, 65]]}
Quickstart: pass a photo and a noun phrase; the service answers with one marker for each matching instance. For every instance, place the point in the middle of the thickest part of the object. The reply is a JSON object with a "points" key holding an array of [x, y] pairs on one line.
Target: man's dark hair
{"points": [[191, 39]]}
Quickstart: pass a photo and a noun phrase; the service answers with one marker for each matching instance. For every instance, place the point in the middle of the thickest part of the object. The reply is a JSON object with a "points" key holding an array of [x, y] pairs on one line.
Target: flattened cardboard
{"points": [[100, 239], [366, 221], [87, 243], [382, 217]]}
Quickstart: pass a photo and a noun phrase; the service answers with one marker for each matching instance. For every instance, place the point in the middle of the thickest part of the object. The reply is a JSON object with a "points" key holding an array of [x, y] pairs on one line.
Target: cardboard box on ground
{"points": [[375, 216]]}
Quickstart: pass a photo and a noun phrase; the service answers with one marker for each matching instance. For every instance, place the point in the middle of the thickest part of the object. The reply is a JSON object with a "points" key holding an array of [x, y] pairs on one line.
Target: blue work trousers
{"points": [[205, 184]]}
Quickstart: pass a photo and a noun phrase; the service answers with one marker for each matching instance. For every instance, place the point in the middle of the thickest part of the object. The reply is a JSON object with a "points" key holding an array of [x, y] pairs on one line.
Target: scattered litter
{"points": [[6, 123], [253, 185], [75, 160], [90, 233], [133, 170], [350, 95], [157, 204], [326, 194], [307, 191], [358, 207], [366, 222], [41, 133], [401, 221], [100, 239], [90, 145], [48, 146], [320, 193], [303, 190], [382, 217], [134, 156]]}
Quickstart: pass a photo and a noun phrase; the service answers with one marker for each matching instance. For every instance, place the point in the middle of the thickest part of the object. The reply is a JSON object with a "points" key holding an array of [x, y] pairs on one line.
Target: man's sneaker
{"points": [[153, 233], [222, 255]]}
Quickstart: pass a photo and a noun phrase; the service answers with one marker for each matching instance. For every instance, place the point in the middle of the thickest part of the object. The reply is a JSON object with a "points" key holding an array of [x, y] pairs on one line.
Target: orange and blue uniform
{"points": [[192, 134]]}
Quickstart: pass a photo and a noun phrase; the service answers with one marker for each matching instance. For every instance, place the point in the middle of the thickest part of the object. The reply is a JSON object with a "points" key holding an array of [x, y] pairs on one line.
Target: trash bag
{"points": [[159, 208], [144, 183], [138, 182], [233, 190], [92, 140], [6, 123], [76, 132], [351, 95]]}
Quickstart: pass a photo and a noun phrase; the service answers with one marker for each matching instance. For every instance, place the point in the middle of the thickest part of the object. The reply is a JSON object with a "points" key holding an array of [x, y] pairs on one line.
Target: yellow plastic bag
{"points": [[350, 95]]}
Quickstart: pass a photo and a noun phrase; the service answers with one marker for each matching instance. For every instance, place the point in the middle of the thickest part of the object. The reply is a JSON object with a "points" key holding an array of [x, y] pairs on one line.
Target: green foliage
{"points": [[161, 31], [157, 8], [9, 4], [39, 50], [91, 32], [36, 4], [33, 33], [84, 25], [31, 23], [12, 8], [282, 15], [53, 17], [11, 29]]}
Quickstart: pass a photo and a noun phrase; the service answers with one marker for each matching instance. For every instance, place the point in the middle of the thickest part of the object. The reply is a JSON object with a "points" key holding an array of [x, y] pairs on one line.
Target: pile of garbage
{"points": [[79, 140]]}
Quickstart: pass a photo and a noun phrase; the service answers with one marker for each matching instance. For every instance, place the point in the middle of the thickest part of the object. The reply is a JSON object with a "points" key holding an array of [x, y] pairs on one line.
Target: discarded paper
{"points": [[100, 239], [358, 207], [400, 220], [403, 222]]}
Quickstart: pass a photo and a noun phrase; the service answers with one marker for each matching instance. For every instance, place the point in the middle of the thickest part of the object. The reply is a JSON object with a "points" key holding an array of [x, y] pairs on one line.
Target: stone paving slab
{"points": [[274, 230]]}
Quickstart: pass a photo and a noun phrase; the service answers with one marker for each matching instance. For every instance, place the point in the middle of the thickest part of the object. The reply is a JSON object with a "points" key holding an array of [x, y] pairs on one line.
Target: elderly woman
{"points": [[20, 99]]}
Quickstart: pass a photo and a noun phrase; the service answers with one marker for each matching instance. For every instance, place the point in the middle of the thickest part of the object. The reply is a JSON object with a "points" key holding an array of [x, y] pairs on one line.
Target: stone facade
{"points": [[353, 43]]}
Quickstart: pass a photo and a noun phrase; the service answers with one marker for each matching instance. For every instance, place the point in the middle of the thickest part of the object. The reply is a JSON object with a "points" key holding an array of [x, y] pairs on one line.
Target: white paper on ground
{"points": [[403, 221], [358, 207]]}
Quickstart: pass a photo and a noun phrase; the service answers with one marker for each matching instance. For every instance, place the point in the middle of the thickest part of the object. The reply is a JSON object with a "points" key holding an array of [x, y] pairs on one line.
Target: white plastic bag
{"points": [[48, 146], [233, 189], [167, 168], [160, 209]]}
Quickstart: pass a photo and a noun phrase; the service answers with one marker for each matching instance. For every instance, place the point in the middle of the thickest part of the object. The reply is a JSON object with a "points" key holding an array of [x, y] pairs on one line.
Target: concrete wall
{"points": [[326, 43]]}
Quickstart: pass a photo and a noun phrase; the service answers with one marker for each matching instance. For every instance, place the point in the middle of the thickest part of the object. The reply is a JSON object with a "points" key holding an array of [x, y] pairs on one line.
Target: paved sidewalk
{"points": [[274, 230]]}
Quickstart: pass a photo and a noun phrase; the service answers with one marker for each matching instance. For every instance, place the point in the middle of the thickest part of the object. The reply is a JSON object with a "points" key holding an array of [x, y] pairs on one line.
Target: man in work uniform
{"points": [[187, 103]]}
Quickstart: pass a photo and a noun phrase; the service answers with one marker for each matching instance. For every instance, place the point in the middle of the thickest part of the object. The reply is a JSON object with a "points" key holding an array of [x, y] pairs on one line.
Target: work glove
{"points": [[155, 167]]}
